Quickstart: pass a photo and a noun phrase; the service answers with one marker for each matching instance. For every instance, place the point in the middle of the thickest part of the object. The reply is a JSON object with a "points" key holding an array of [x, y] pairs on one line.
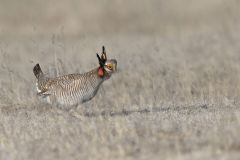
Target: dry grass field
{"points": [[176, 94]]}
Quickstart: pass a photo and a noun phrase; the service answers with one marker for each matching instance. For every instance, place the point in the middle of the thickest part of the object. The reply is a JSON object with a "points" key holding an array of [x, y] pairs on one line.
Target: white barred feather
{"points": [[71, 89]]}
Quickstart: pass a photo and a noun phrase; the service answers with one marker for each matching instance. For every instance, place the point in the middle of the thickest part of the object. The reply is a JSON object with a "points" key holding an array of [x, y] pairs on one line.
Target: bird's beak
{"points": [[115, 66]]}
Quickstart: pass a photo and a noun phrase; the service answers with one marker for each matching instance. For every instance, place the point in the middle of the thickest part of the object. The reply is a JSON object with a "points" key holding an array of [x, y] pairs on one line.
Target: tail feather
{"points": [[37, 71]]}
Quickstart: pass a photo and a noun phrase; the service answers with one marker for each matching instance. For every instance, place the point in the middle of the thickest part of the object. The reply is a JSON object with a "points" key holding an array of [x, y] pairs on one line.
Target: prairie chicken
{"points": [[74, 89]]}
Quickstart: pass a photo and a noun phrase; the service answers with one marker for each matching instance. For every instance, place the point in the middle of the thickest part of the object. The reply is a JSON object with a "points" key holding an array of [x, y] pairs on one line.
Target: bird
{"points": [[77, 88]]}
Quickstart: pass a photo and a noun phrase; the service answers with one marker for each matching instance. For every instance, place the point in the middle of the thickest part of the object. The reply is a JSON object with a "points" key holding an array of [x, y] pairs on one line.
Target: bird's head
{"points": [[107, 67]]}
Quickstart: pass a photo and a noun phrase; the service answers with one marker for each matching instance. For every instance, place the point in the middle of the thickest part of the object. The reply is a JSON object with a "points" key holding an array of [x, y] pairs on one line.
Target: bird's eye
{"points": [[110, 66]]}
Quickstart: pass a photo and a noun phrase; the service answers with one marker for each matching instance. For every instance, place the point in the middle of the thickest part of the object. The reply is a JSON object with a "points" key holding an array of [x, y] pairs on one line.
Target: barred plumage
{"points": [[73, 89]]}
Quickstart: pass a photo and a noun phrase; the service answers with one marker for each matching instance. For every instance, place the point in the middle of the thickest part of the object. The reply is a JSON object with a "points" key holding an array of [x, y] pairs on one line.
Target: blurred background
{"points": [[86, 18]]}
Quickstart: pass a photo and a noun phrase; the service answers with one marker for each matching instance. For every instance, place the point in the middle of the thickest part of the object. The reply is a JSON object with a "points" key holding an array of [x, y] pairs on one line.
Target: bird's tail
{"points": [[38, 71]]}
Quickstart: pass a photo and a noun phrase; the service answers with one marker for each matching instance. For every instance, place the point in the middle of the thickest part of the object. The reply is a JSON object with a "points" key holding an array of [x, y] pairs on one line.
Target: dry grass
{"points": [[172, 98], [176, 95]]}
